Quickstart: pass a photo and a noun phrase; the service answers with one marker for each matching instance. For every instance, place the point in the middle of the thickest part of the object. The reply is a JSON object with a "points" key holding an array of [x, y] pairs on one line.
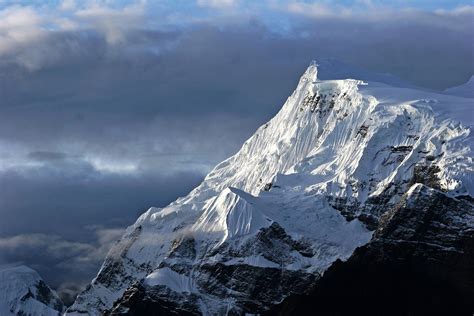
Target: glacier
{"points": [[307, 189]]}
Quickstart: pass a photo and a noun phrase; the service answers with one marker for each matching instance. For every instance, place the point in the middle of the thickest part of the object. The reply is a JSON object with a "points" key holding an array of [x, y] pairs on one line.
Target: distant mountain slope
{"points": [[23, 292], [305, 191], [465, 90]]}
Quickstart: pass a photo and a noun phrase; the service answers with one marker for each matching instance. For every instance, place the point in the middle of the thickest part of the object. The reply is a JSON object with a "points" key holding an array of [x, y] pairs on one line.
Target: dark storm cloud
{"points": [[46, 155], [210, 76], [63, 198], [101, 122]]}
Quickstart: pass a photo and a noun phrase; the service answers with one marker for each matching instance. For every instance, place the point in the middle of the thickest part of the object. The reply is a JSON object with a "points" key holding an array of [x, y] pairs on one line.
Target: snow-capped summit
{"points": [[23, 292], [307, 189]]}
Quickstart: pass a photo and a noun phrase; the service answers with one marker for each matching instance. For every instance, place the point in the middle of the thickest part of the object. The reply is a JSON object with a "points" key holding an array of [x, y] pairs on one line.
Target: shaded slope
{"points": [[419, 262]]}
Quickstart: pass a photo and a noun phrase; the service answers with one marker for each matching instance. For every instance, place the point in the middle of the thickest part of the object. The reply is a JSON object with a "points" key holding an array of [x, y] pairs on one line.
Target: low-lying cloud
{"points": [[54, 257], [63, 198]]}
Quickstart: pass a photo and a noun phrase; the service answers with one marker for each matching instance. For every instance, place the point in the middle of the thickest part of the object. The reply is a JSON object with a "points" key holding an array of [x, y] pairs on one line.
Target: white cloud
{"points": [[110, 166], [368, 11], [19, 26], [54, 249], [24, 36], [26, 31], [363, 10], [217, 4], [68, 5], [313, 9], [114, 23], [458, 11]]}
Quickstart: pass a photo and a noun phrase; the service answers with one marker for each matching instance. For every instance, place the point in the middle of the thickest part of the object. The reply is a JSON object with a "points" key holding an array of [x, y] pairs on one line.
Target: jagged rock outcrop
{"points": [[307, 189]]}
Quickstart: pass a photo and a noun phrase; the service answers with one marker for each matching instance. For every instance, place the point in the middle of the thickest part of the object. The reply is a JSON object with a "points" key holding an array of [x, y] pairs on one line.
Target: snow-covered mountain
{"points": [[465, 90], [23, 292], [307, 189]]}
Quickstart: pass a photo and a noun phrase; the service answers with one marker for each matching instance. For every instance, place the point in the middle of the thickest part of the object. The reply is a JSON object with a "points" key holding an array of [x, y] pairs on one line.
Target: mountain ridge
{"points": [[306, 190]]}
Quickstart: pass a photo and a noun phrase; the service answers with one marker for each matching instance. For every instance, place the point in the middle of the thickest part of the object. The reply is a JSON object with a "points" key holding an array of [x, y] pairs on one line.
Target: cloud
{"points": [[465, 10], [19, 28], [369, 13], [65, 197], [55, 247], [46, 156], [53, 257], [114, 23], [68, 291], [34, 37], [218, 4], [316, 10], [67, 5]]}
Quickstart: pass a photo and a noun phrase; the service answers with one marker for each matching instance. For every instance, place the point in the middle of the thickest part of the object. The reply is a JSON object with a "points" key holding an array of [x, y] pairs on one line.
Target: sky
{"points": [[110, 107]]}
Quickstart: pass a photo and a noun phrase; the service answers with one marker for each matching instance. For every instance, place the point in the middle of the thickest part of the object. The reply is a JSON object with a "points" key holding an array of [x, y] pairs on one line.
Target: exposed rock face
{"points": [[268, 286], [24, 293], [419, 262], [217, 280], [307, 189], [154, 301]]}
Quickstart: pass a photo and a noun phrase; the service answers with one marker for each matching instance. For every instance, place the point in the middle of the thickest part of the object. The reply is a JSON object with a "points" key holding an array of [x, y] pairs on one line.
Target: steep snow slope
{"points": [[465, 90], [305, 190], [23, 292]]}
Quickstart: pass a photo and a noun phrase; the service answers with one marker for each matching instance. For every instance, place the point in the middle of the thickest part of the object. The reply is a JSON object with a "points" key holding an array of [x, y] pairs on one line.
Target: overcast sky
{"points": [[110, 107]]}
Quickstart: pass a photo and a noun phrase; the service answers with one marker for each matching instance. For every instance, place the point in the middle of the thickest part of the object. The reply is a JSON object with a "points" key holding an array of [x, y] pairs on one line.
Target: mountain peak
{"points": [[307, 189], [311, 73]]}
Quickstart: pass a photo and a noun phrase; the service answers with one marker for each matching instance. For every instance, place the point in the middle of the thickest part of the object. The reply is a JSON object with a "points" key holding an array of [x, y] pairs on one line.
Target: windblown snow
{"points": [[336, 147]]}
